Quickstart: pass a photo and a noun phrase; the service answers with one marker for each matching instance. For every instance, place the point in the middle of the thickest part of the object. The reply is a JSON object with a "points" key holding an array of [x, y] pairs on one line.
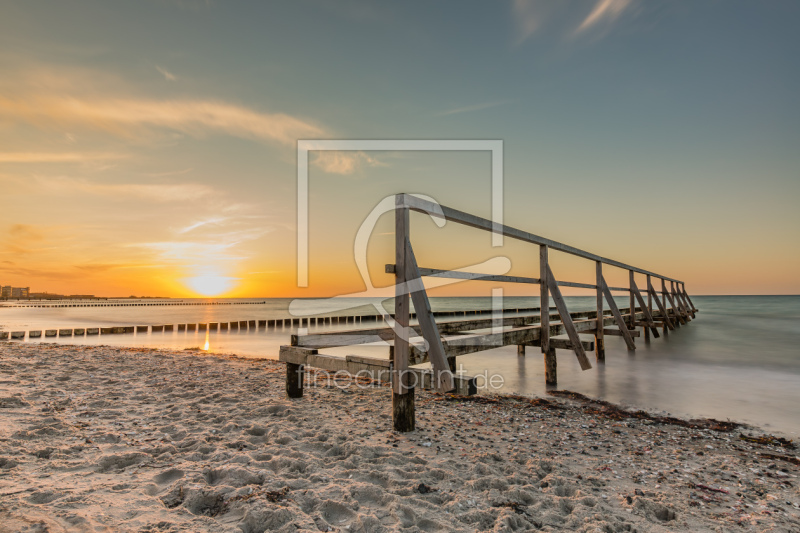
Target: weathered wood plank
{"points": [[681, 302], [686, 294], [645, 309], [566, 320], [544, 298], [402, 307], [661, 307], [599, 340], [448, 213], [550, 367], [618, 333], [528, 335], [618, 316], [566, 344], [294, 380], [427, 323], [632, 297], [666, 294], [458, 274]]}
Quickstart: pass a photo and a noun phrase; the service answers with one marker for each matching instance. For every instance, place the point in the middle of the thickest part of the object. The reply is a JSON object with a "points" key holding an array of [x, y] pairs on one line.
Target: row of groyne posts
{"points": [[440, 344], [30, 303], [236, 325]]}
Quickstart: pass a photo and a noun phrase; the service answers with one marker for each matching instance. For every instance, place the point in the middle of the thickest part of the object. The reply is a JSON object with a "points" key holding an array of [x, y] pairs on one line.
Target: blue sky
{"points": [[147, 144]]}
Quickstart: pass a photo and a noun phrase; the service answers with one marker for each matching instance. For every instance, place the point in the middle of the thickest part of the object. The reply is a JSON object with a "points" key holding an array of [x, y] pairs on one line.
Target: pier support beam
{"points": [[521, 349], [403, 418], [403, 411], [294, 380], [453, 364], [550, 367], [599, 335]]}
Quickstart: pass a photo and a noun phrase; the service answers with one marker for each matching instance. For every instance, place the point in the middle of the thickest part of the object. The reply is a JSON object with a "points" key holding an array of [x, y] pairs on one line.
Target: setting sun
{"points": [[210, 285]]}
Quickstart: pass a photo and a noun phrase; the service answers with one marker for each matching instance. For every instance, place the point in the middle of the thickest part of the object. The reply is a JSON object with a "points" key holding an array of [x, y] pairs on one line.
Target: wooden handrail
{"points": [[454, 215]]}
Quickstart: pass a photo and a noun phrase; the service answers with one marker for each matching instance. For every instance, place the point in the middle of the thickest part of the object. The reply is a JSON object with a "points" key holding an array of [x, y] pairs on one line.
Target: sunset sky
{"points": [[149, 147]]}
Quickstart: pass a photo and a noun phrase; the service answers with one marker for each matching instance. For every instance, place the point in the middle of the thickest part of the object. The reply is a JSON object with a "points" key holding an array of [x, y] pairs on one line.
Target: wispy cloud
{"points": [[474, 107], [201, 223], [26, 232], [169, 76], [191, 117], [168, 173], [527, 19], [605, 11], [56, 157], [531, 16], [344, 162], [157, 192]]}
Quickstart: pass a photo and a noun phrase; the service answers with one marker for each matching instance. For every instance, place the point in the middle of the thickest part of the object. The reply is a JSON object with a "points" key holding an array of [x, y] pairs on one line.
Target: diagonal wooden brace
{"points": [[441, 369], [676, 310], [623, 327], [566, 319], [661, 307], [645, 309]]}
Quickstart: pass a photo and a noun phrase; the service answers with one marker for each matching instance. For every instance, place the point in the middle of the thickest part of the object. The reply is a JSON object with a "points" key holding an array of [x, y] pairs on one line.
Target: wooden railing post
{"points": [[647, 321], [661, 307], [599, 337], [403, 418], [676, 293], [632, 302], [686, 294], [550, 363], [294, 380], [675, 308]]}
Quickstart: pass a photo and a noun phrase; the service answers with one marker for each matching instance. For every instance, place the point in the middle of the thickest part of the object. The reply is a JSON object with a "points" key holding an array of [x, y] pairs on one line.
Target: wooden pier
{"points": [[442, 343]]}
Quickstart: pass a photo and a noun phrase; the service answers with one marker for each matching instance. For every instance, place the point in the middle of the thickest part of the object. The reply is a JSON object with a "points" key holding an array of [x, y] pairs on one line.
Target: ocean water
{"points": [[738, 360]]}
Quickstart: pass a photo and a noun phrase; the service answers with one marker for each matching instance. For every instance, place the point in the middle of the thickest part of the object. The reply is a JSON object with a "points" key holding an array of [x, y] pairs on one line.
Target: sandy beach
{"points": [[112, 439]]}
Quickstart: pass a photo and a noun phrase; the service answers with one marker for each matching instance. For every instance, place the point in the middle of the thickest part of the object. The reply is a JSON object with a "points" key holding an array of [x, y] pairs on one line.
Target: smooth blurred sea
{"points": [[739, 359]]}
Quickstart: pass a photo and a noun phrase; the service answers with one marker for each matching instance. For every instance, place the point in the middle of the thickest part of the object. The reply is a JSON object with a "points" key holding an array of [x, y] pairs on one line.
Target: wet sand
{"points": [[98, 438]]}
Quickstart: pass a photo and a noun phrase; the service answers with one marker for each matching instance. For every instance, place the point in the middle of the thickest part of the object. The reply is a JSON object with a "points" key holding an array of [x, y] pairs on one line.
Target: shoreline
{"points": [[143, 439]]}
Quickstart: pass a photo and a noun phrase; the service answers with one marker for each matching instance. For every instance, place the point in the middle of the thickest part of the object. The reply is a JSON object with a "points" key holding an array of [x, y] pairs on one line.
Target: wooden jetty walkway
{"points": [[440, 344]]}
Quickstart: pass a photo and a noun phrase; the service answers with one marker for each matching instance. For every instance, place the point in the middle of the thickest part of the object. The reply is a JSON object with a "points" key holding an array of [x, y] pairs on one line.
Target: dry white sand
{"points": [[110, 439]]}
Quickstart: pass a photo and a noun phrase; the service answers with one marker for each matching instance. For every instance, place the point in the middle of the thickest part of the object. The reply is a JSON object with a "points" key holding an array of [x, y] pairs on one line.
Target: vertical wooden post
{"points": [[667, 322], [675, 307], [550, 367], [550, 371], [294, 380], [678, 296], [686, 294], [648, 316], [599, 337], [649, 308], [403, 417], [521, 350], [453, 364], [632, 301]]}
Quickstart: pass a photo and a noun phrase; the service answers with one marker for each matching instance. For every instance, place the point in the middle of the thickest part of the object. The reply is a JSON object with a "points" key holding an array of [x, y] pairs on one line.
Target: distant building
{"points": [[5, 291], [20, 292]]}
